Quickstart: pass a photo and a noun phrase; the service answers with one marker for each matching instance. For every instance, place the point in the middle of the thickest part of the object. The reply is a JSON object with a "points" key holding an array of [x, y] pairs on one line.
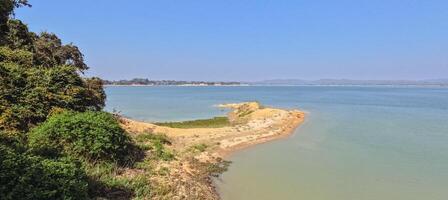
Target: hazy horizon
{"points": [[252, 40], [282, 79]]}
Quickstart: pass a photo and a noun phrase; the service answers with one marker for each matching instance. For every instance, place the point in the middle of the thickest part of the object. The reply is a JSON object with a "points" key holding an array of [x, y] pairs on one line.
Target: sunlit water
{"points": [[357, 143]]}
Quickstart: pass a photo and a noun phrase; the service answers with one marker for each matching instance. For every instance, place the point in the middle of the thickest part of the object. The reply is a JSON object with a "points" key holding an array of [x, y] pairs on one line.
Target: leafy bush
{"points": [[23, 176], [89, 135]]}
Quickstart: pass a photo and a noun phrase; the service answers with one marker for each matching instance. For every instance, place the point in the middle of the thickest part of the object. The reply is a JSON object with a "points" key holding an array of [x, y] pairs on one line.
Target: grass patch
{"points": [[109, 180], [216, 122], [199, 147], [160, 152], [141, 138], [155, 144], [107, 183]]}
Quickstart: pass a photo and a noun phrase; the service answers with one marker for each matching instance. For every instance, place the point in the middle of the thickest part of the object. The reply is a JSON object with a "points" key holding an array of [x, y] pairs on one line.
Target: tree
{"points": [[40, 75], [7, 9], [18, 36], [28, 95], [49, 51], [47, 48]]}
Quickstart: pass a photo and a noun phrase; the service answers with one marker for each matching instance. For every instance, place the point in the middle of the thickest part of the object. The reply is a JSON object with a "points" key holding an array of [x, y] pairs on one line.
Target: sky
{"points": [[250, 40]]}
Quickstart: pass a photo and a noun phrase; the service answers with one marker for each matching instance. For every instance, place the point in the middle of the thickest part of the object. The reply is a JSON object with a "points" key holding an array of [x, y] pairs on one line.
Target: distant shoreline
{"points": [[136, 85], [283, 82], [279, 85]]}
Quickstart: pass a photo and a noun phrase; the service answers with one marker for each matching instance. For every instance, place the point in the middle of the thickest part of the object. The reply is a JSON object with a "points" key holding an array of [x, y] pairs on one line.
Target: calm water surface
{"points": [[357, 143]]}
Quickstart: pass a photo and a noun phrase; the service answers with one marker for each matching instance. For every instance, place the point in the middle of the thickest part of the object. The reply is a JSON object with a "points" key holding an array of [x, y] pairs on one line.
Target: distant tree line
{"points": [[145, 81]]}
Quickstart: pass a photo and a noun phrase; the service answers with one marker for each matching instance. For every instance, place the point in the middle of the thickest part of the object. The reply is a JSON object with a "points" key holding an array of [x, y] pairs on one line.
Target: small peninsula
{"points": [[200, 146]]}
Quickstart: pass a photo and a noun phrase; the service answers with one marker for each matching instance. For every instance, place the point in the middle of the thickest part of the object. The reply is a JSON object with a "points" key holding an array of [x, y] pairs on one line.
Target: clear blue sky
{"points": [[252, 40]]}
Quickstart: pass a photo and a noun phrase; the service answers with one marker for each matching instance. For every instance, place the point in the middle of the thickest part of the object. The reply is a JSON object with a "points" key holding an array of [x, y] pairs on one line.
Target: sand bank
{"points": [[250, 124]]}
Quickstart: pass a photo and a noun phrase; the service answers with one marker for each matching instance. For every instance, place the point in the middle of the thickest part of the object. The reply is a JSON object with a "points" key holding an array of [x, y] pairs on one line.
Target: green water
{"points": [[357, 143]]}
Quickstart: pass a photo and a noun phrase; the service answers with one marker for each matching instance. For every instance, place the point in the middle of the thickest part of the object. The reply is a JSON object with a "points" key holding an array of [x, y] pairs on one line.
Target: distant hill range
{"points": [[429, 82], [145, 81]]}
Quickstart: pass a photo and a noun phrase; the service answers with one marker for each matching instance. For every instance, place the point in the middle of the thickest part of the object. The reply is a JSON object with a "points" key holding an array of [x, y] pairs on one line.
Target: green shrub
{"points": [[23, 176], [89, 135]]}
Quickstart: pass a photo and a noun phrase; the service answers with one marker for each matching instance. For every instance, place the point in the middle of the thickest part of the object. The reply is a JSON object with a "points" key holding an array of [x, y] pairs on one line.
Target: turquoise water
{"points": [[357, 143]]}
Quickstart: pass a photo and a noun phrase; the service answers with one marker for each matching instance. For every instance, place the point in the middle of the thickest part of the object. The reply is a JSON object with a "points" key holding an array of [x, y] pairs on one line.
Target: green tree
{"points": [[49, 52], [7, 9], [29, 95], [18, 36]]}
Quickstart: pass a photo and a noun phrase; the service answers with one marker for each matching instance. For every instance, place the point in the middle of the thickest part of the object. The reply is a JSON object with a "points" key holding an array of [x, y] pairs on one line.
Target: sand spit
{"points": [[250, 124]]}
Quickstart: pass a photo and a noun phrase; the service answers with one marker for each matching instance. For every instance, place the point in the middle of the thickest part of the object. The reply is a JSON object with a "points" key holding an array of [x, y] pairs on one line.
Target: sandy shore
{"points": [[250, 124]]}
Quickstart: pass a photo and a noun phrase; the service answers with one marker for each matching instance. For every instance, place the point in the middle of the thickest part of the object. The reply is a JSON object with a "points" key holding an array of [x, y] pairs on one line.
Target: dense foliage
{"points": [[29, 95], [90, 135], [26, 176], [41, 77], [7, 9], [39, 74]]}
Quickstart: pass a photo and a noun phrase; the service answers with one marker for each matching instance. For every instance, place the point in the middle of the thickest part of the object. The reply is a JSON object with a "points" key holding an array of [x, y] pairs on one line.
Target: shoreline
{"points": [[176, 85], [249, 85], [285, 134], [250, 124]]}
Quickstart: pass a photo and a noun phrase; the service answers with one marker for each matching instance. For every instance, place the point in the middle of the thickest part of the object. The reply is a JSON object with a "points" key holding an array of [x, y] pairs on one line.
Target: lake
{"points": [[357, 142]]}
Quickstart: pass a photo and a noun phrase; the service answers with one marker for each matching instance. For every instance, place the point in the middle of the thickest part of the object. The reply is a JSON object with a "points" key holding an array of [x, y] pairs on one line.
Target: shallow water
{"points": [[357, 143]]}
